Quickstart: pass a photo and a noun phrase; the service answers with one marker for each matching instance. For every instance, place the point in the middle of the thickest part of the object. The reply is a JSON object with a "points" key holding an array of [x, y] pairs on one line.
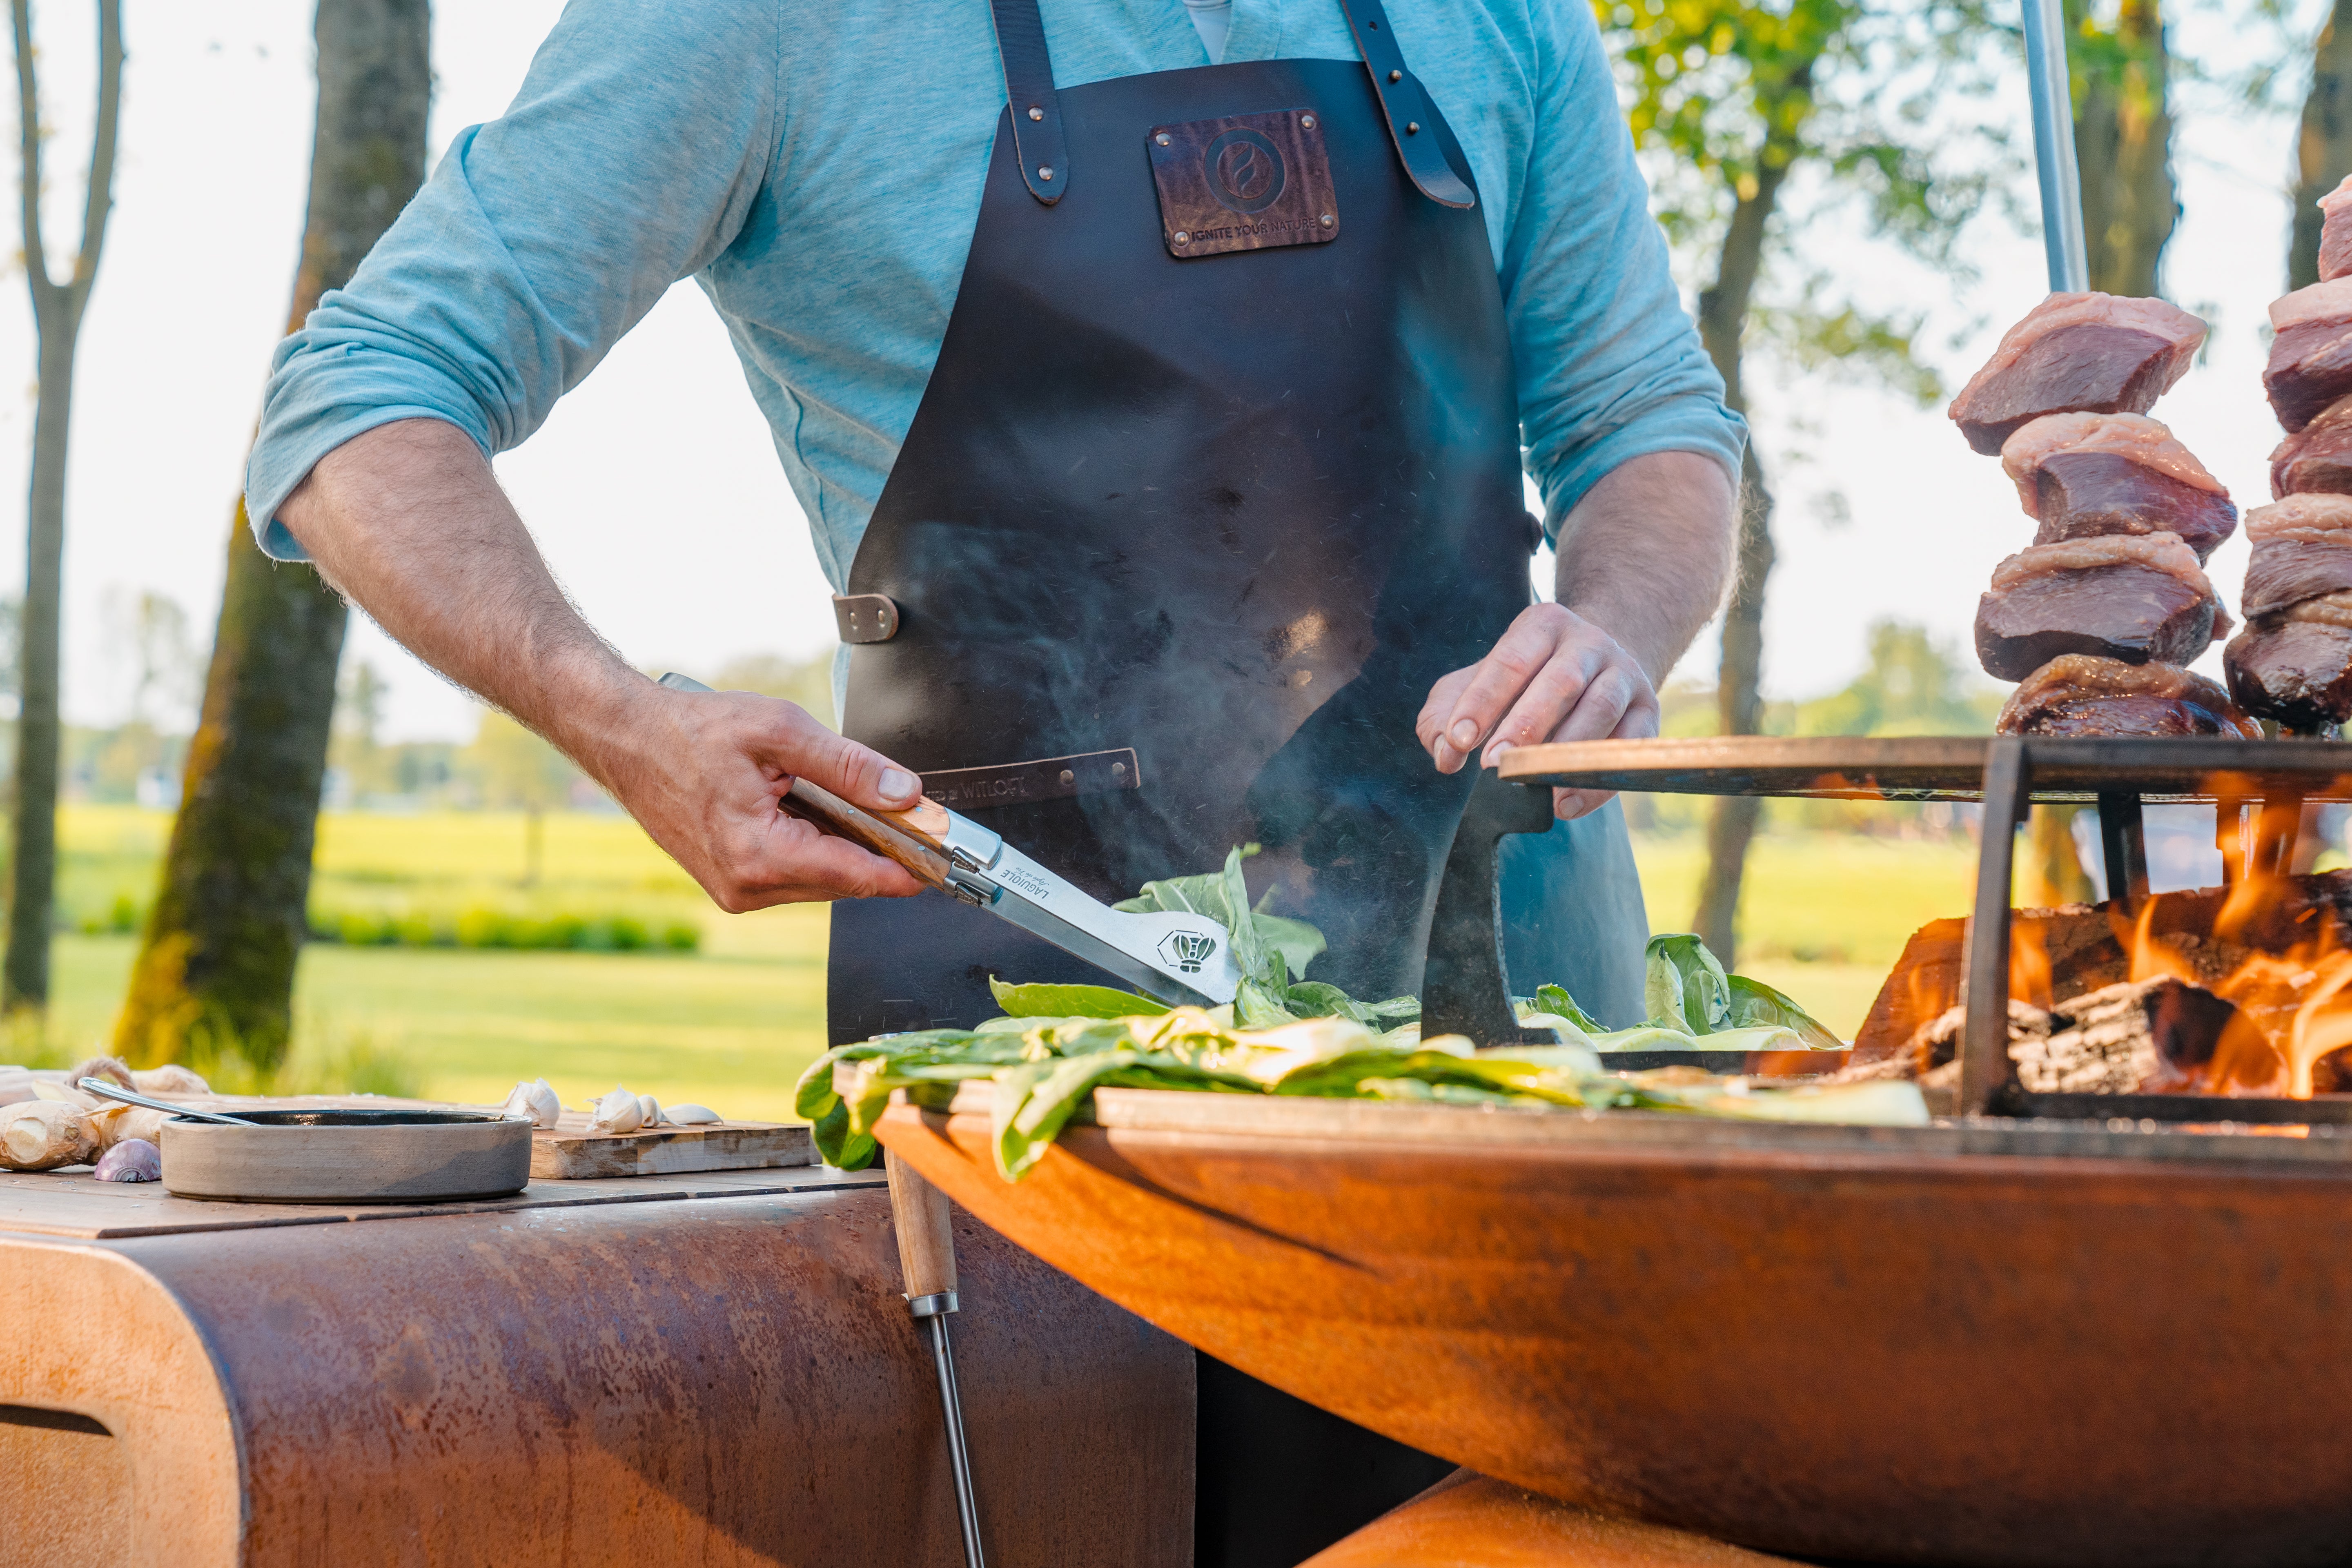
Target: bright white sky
{"points": [[655, 489]]}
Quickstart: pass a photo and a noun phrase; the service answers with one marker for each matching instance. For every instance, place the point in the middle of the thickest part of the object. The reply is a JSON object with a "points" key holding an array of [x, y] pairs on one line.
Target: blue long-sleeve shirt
{"points": [[817, 170]]}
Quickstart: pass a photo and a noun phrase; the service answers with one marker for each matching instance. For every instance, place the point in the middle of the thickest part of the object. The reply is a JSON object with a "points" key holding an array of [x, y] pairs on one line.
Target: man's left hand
{"points": [[1554, 676]]}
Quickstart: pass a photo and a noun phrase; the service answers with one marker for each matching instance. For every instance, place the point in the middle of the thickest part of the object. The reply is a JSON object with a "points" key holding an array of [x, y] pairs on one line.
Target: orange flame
{"points": [[2029, 963], [2294, 1002]]}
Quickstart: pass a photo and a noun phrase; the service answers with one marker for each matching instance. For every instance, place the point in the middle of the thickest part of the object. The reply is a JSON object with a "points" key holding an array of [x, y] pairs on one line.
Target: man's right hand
{"points": [[704, 771], [408, 522]]}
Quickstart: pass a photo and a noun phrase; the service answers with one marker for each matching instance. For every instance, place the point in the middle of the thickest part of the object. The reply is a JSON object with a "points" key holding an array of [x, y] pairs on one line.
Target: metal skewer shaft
{"points": [[926, 1257], [2054, 146]]}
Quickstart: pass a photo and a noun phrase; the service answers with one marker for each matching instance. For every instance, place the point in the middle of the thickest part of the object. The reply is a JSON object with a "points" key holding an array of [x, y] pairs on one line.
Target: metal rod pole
{"points": [[1985, 1066], [959, 1457], [2124, 836], [2054, 146]]}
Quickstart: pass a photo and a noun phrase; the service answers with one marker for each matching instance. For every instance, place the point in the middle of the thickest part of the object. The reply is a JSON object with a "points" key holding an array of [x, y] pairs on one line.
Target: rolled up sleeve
{"points": [[641, 138], [1610, 366]]}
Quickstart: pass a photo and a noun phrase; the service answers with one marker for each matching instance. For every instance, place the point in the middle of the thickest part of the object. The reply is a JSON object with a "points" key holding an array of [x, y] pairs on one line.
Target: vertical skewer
{"points": [[926, 1257], [2054, 146]]}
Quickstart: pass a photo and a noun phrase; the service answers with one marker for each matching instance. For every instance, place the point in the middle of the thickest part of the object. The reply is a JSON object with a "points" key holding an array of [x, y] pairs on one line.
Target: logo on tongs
{"points": [[1186, 951]]}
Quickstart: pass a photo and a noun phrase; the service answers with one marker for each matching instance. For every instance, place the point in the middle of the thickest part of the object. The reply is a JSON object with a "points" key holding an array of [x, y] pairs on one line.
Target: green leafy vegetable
{"points": [[1225, 898], [1753, 1002], [1556, 1001], [1071, 1000], [1684, 985]]}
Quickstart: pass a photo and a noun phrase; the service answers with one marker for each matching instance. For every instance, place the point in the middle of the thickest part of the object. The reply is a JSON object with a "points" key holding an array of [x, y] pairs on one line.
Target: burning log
{"points": [[2238, 990]]}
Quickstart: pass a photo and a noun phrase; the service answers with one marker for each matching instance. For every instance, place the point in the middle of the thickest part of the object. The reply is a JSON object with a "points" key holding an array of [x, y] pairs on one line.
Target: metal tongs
{"points": [[1183, 959]]}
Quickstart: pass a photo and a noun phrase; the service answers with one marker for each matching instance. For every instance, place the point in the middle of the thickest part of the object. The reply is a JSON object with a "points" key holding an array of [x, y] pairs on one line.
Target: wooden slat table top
{"points": [[1939, 767], [75, 1204]]}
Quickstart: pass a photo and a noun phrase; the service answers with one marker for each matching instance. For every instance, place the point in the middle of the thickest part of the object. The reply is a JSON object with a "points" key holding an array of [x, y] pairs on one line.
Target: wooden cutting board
{"points": [[570, 1151]]}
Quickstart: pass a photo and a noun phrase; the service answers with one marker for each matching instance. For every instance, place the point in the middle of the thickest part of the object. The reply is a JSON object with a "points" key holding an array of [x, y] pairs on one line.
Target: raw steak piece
{"points": [[2139, 598], [2303, 548], [2096, 354], [2080, 695], [2335, 231], [2088, 474], [2310, 354], [2297, 666], [2317, 457]]}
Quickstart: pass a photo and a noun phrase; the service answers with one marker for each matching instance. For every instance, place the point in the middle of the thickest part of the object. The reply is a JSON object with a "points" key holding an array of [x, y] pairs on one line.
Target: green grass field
{"points": [[732, 1026]]}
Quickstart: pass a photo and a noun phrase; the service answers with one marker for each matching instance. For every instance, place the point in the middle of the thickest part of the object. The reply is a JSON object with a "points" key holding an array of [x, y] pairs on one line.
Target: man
{"points": [[1156, 379]]}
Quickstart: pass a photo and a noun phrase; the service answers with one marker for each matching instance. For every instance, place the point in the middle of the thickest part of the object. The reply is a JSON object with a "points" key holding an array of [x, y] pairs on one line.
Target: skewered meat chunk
{"points": [[2084, 475], [2099, 353], [2317, 457], [2311, 352], [2335, 231], [2080, 695], [2297, 666], [2303, 548], [2139, 598]]}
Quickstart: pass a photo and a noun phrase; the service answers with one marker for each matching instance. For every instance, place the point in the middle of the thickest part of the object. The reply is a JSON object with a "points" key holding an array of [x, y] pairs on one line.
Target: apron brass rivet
{"points": [[1045, 172], [1035, 112], [1412, 127], [1068, 777], [1328, 220], [1308, 121], [1119, 770], [1183, 237], [1161, 139], [1396, 75]]}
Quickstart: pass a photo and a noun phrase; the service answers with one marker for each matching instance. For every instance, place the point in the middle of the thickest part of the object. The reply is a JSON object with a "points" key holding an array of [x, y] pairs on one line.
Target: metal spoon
{"points": [[107, 1089]]}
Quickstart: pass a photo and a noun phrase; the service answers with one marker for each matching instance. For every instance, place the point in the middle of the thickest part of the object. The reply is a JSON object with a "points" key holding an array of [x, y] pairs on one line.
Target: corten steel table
{"points": [[711, 1369]]}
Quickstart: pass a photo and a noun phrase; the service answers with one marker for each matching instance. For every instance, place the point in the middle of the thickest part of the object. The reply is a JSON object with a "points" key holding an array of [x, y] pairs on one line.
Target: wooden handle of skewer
{"points": [[926, 1244]]}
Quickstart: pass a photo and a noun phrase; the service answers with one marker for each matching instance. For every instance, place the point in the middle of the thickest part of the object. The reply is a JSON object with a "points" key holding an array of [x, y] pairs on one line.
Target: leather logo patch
{"points": [[1247, 183]]}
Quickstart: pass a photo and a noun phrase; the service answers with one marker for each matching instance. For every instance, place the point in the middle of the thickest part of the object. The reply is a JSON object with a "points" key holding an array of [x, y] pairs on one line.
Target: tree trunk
{"points": [[1722, 324], [216, 971], [2123, 148], [58, 309], [2323, 149]]}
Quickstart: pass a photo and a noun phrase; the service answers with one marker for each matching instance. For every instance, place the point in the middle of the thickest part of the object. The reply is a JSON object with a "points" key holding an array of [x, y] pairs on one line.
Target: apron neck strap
{"points": [[1405, 104], [1043, 155], [1037, 141]]}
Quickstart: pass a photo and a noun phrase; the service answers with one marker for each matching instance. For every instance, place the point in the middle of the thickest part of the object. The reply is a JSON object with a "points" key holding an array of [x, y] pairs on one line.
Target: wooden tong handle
{"points": [[915, 838]]}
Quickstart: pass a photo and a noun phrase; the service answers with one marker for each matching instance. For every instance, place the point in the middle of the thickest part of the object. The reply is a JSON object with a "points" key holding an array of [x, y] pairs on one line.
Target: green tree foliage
{"points": [[807, 681], [1731, 99]]}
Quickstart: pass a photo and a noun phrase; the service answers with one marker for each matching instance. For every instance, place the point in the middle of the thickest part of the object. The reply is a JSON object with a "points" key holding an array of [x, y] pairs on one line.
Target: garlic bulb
{"points": [[535, 1100], [650, 1110], [169, 1079], [42, 1134], [132, 1159], [619, 1111], [692, 1116]]}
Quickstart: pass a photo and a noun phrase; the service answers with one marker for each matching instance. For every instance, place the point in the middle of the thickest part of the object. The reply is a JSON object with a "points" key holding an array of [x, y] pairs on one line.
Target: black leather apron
{"points": [[1181, 537]]}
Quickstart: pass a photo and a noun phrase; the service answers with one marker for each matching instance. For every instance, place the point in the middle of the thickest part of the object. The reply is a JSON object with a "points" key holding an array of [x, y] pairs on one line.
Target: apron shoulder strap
{"points": [[1405, 104], [1037, 112], [1029, 97]]}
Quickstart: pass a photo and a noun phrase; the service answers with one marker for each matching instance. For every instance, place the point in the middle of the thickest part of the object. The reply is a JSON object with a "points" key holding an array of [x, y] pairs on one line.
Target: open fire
{"points": [[2243, 990]]}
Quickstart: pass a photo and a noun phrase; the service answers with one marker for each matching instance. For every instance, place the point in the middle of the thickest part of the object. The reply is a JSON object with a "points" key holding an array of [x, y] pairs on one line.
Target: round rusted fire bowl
{"points": [[347, 1156], [2035, 1345]]}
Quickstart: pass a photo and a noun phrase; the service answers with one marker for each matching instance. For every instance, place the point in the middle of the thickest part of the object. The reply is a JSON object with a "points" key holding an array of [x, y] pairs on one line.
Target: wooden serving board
{"points": [[571, 1152]]}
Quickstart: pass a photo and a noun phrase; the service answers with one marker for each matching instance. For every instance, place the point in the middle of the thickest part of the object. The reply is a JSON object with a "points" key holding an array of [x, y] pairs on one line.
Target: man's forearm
{"points": [[1646, 555], [409, 522]]}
